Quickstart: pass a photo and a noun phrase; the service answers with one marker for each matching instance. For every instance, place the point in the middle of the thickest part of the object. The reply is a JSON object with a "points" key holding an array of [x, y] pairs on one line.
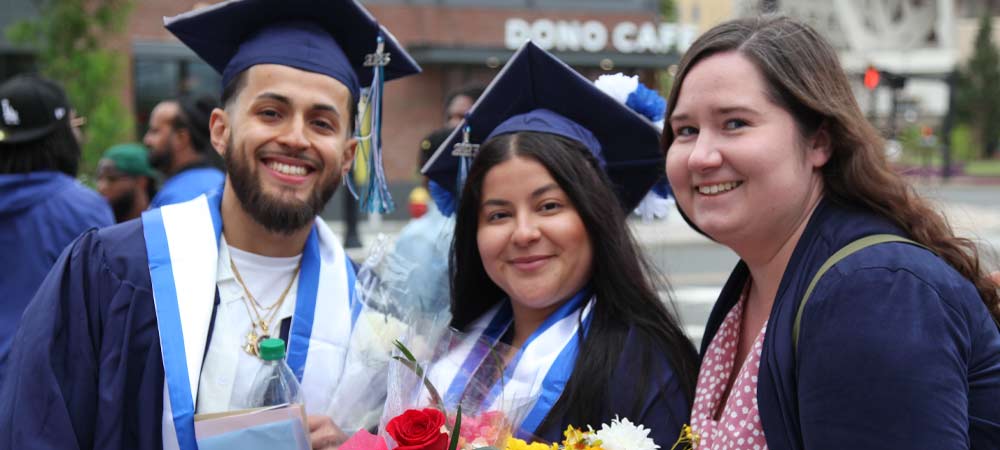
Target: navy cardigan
{"points": [[896, 349]]}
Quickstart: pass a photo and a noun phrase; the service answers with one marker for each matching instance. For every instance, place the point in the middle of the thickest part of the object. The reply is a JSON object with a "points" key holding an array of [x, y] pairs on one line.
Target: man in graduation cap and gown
{"points": [[141, 325]]}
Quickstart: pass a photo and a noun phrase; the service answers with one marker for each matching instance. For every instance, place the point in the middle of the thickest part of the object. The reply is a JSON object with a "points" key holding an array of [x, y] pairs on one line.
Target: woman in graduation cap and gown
{"points": [[542, 259], [893, 347], [123, 344]]}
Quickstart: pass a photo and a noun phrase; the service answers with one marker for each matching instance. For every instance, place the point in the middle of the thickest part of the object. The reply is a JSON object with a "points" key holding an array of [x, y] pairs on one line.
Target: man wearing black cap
{"points": [[42, 207], [179, 148], [123, 343]]}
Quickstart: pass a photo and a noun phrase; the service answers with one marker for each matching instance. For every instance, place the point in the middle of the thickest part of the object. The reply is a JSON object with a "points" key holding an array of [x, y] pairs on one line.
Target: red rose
{"points": [[418, 430]]}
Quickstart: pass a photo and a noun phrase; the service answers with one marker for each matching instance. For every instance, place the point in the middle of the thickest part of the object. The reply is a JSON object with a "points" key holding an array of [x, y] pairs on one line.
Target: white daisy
{"points": [[625, 435]]}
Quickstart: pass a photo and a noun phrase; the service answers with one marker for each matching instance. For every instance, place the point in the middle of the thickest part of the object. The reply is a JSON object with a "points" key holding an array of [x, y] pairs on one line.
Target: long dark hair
{"points": [[621, 278], [804, 77]]}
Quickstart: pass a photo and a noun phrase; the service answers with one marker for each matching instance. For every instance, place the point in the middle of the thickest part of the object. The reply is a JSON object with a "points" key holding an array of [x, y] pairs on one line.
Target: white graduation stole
{"points": [[182, 246], [537, 374]]}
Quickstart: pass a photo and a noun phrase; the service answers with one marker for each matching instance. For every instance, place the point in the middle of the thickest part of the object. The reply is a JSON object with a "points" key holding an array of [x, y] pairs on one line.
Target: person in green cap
{"points": [[126, 180]]}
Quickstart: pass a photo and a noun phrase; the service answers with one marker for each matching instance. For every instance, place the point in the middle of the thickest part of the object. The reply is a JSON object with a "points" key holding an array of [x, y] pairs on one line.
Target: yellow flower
{"points": [[517, 444], [574, 438], [577, 439], [688, 439]]}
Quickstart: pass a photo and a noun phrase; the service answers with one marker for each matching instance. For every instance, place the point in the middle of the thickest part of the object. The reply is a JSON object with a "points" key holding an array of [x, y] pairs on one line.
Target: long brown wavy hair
{"points": [[804, 76]]}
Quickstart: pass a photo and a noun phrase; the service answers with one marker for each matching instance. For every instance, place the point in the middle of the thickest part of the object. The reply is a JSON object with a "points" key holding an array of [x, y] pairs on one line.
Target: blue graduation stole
{"points": [[550, 351], [182, 245]]}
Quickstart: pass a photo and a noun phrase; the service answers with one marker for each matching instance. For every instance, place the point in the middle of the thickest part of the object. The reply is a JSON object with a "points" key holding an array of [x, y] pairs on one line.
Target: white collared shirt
{"points": [[228, 371]]}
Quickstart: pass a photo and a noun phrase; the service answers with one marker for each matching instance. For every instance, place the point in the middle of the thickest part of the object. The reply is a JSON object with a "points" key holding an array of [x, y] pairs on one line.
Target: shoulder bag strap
{"points": [[844, 252]]}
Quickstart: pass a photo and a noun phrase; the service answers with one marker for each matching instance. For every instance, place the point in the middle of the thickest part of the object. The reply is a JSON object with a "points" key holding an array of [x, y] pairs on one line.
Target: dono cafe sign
{"points": [[593, 36]]}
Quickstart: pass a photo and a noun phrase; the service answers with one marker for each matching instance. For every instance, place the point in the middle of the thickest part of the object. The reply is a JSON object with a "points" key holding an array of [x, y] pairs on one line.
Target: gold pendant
{"points": [[251, 345]]}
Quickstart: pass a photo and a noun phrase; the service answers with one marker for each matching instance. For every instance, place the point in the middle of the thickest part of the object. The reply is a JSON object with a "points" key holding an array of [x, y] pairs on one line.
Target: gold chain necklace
{"points": [[256, 321]]}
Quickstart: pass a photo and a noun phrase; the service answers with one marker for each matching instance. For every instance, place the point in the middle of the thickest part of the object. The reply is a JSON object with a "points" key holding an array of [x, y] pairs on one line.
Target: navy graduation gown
{"points": [[85, 370], [896, 351], [662, 408]]}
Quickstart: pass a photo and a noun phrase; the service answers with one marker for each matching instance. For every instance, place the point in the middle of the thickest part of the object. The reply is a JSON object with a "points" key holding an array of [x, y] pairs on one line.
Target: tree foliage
{"points": [[977, 97], [668, 10], [664, 77], [72, 40]]}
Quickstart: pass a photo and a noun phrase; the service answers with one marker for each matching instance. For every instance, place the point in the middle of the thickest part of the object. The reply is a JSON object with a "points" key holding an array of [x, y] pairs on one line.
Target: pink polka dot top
{"points": [[738, 427]]}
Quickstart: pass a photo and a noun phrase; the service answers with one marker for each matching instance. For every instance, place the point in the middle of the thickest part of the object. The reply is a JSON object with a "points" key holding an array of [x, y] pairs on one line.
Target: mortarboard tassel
{"points": [[361, 152], [466, 152], [377, 198]]}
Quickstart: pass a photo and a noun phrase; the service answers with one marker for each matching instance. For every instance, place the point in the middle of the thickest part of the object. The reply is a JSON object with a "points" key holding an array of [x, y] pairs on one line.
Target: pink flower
{"points": [[486, 426]]}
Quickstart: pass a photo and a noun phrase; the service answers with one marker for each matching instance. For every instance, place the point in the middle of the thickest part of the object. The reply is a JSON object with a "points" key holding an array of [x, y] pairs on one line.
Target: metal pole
{"points": [[872, 103], [893, 112], [351, 238]]}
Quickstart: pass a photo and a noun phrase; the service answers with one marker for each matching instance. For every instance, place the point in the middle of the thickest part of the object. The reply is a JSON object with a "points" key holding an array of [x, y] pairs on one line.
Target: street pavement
{"points": [[696, 267]]}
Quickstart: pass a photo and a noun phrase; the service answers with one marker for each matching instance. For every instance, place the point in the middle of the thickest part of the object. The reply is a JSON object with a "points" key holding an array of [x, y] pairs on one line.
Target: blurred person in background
{"points": [[424, 242], [420, 201], [179, 147], [458, 103], [42, 206], [126, 180]]}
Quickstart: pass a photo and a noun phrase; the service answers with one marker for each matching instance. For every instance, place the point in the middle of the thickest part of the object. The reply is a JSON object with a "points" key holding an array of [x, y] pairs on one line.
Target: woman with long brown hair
{"points": [[855, 318]]}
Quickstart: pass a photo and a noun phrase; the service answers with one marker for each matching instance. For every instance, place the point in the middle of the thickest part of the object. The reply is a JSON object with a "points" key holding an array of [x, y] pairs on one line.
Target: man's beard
{"points": [[162, 159], [122, 206], [275, 214]]}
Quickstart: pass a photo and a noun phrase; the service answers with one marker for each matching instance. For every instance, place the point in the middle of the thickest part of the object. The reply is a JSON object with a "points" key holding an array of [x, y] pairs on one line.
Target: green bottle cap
{"points": [[272, 349]]}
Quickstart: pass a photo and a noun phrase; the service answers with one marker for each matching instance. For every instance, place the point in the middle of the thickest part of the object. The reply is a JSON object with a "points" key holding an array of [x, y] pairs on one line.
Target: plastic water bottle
{"points": [[274, 384]]}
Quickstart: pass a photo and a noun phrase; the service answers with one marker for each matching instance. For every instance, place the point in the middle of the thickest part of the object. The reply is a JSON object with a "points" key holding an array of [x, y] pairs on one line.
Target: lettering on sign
{"points": [[593, 36]]}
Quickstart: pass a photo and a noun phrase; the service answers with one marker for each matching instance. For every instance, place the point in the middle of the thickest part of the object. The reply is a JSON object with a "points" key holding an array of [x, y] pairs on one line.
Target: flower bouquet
{"points": [[471, 415], [621, 434], [386, 309]]}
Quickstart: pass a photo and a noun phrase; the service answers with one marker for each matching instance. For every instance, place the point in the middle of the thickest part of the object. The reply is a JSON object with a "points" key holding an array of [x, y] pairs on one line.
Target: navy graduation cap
{"points": [[331, 37], [535, 91], [337, 38]]}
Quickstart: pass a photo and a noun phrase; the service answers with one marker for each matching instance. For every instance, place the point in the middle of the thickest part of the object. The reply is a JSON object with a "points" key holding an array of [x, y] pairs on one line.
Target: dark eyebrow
{"points": [[535, 193], [496, 202], [544, 189], [326, 107], [736, 109], [288, 101], [277, 97]]}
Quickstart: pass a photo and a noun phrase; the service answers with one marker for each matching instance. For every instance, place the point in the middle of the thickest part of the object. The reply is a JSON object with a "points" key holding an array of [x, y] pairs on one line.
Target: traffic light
{"points": [[871, 78]]}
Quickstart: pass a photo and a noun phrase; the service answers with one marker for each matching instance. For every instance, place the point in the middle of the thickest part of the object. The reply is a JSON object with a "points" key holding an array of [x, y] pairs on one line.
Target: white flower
{"points": [[618, 85], [625, 435], [653, 206], [374, 333]]}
